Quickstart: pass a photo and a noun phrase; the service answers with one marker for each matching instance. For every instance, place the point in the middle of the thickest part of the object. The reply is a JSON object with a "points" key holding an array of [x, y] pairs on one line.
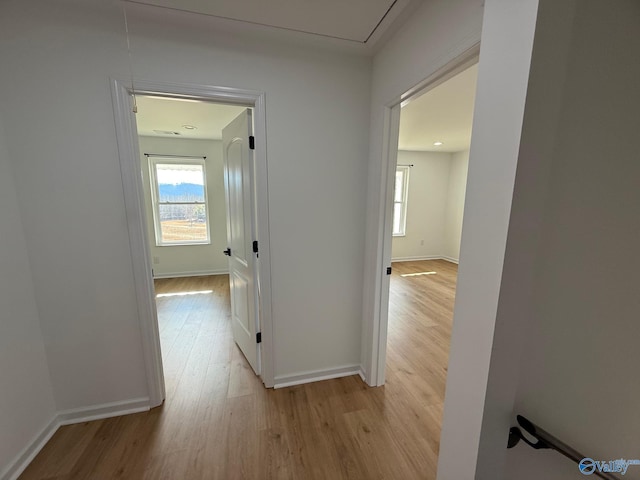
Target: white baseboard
{"points": [[197, 273], [105, 410], [425, 257], [316, 376], [412, 259], [450, 259], [68, 417], [26, 456]]}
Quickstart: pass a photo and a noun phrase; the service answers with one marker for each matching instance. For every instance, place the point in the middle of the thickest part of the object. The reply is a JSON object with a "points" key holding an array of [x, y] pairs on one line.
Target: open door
{"points": [[237, 143]]}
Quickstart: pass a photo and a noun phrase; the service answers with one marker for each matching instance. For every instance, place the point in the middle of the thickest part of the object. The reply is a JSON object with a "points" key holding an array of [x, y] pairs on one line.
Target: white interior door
{"points": [[238, 173]]}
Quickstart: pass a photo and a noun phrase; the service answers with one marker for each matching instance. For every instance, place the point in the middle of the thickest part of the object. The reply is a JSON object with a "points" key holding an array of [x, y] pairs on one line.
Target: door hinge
{"points": [[388, 270], [255, 246], [259, 337], [252, 142]]}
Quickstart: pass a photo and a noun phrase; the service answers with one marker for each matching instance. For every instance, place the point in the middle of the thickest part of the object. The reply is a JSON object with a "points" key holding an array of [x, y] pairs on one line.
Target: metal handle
{"points": [[546, 440], [227, 252]]}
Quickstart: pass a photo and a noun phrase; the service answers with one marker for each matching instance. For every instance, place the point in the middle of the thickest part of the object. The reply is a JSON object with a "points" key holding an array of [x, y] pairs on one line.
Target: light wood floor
{"points": [[219, 422]]}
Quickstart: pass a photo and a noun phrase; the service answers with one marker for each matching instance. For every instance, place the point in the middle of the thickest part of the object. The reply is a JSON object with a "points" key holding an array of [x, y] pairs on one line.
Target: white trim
{"points": [[104, 410], [392, 135], [192, 273], [417, 258], [424, 257], [156, 203], [136, 216], [28, 453], [389, 159], [450, 69], [317, 375], [451, 259], [128, 153], [69, 417]]}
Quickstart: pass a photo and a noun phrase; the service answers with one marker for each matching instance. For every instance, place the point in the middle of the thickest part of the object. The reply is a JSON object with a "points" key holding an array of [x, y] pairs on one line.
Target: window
{"points": [[179, 196], [400, 201]]}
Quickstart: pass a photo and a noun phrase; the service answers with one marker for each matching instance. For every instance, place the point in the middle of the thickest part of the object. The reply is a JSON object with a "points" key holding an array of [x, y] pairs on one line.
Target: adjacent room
{"points": [[428, 204], [183, 181]]}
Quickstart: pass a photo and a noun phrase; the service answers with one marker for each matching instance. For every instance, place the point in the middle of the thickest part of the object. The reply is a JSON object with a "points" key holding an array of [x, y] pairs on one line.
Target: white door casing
{"points": [[374, 361], [129, 158], [238, 181]]}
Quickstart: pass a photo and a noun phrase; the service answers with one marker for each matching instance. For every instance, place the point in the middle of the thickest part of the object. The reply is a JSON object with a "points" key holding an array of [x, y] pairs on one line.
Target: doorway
{"points": [[191, 219], [388, 218], [129, 150], [426, 206]]}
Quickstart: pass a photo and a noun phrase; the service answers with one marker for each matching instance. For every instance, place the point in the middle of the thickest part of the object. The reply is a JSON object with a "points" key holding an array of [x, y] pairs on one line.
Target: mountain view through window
{"points": [[181, 203]]}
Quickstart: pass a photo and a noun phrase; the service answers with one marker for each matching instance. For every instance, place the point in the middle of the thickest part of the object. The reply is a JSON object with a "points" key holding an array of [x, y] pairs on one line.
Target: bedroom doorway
{"points": [[129, 149]]}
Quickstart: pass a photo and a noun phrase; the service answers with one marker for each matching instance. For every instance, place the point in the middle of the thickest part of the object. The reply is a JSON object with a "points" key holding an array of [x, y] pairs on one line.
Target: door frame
{"points": [[391, 132], [129, 153]]}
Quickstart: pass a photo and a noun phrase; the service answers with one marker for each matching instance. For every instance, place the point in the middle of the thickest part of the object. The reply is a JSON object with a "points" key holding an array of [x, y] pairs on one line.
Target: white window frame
{"points": [[155, 195], [405, 196]]}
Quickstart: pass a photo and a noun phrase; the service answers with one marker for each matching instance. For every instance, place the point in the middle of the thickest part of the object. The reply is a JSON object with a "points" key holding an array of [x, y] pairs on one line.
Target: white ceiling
{"points": [[442, 114], [354, 20], [168, 114]]}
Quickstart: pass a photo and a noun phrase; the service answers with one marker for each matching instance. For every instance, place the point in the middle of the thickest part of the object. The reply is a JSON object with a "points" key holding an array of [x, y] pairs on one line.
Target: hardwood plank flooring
{"points": [[219, 422]]}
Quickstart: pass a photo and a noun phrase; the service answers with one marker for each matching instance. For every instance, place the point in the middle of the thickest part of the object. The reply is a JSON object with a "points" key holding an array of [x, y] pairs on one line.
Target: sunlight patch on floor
{"points": [[417, 274]]}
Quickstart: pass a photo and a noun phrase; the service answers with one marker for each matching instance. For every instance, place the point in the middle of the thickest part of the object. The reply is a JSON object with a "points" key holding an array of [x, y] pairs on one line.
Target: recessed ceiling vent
{"points": [[166, 132]]}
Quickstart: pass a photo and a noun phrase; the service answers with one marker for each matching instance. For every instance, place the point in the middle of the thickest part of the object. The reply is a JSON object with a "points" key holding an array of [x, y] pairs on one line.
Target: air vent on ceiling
{"points": [[166, 132]]}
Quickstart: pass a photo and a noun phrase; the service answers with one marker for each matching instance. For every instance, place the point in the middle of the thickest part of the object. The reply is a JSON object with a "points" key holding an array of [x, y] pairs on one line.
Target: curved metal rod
{"points": [[545, 440]]}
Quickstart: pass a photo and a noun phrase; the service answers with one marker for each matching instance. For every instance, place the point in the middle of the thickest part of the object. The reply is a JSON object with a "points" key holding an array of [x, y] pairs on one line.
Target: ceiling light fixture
{"points": [[437, 144], [189, 127]]}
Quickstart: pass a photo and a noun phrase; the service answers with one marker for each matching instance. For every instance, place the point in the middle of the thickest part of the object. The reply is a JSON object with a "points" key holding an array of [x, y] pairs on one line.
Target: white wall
{"points": [[179, 260], [57, 60], [26, 397], [437, 183], [579, 370], [454, 211], [426, 205]]}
